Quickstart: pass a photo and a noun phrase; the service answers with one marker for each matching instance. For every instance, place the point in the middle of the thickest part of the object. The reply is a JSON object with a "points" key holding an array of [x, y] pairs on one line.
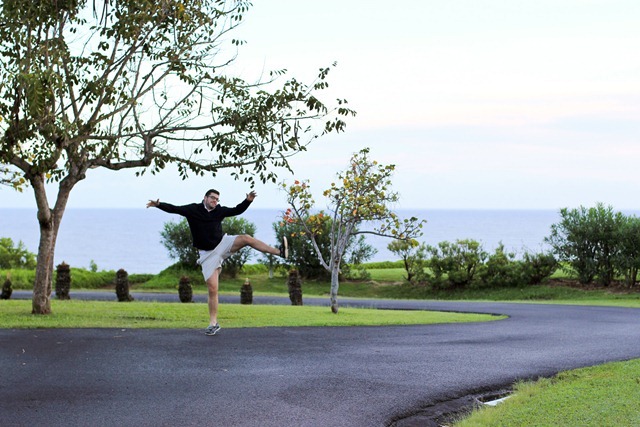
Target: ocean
{"points": [[130, 238]]}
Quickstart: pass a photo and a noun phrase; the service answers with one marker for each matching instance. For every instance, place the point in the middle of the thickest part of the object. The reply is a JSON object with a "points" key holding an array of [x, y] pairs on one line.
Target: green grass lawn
{"points": [[101, 314], [605, 395]]}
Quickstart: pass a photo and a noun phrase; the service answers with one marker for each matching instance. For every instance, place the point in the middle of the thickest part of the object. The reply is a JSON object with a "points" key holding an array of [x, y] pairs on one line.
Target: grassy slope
{"points": [[605, 395]]}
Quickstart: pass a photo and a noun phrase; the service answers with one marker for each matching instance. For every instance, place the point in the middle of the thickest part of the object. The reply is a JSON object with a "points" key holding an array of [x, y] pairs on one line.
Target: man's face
{"points": [[211, 201]]}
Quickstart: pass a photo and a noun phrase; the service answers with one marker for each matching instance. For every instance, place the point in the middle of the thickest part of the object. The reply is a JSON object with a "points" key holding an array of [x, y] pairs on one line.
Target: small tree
{"points": [[627, 259], [587, 240], [537, 267], [406, 250], [362, 197]]}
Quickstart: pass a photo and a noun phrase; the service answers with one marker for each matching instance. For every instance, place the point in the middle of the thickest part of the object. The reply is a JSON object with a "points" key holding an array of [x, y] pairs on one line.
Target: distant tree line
{"points": [[465, 264], [594, 245]]}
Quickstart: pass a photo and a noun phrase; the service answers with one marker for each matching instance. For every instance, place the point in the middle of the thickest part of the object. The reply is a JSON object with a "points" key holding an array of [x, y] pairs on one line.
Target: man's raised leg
{"points": [[246, 240]]}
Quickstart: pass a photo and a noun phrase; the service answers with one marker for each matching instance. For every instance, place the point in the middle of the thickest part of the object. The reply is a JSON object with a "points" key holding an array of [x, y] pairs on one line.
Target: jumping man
{"points": [[205, 224]]}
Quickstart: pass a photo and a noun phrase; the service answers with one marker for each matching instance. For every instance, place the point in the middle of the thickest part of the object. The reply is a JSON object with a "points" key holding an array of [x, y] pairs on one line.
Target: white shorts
{"points": [[211, 260]]}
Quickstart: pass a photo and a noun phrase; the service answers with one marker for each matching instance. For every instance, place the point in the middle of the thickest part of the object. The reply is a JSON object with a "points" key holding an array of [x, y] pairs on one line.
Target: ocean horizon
{"points": [[130, 238]]}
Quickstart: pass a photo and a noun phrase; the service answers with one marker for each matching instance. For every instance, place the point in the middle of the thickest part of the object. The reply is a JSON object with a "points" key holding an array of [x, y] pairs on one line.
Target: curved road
{"points": [[365, 376]]}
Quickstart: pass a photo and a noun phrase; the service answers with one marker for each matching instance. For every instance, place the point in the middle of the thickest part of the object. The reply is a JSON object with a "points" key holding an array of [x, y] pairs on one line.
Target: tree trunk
{"points": [[339, 244], [41, 303], [335, 273], [49, 221]]}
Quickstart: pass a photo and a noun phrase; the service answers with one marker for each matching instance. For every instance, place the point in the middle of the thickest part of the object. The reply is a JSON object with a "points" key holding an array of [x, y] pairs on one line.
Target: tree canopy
{"points": [[361, 202], [140, 84], [143, 86]]}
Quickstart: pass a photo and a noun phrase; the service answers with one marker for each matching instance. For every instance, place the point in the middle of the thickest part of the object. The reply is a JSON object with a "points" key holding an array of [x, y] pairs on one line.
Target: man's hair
{"points": [[211, 191]]}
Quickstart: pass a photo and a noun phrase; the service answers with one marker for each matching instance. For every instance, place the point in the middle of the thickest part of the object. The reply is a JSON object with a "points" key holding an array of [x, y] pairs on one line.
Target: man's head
{"points": [[211, 198]]}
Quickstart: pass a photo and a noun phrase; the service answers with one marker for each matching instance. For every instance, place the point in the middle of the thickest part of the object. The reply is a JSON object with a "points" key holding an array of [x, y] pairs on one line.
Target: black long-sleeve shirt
{"points": [[205, 226]]}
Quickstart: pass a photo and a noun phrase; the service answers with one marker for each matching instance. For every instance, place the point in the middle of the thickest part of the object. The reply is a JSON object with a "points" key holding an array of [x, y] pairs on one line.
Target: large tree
{"points": [[360, 203], [138, 84]]}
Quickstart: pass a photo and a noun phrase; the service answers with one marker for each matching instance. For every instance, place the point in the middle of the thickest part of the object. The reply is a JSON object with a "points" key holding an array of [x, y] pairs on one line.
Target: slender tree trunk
{"points": [[49, 222], [339, 245], [41, 303], [407, 268], [632, 276], [335, 274]]}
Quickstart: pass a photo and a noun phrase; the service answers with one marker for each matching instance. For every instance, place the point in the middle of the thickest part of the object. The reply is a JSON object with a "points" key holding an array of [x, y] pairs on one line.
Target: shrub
{"points": [[537, 268], [63, 281], [122, 286], [254, 269], [587, 240], [7, 290], [85, 279], [355, 272], [627, 259], [167, 278], [455, 264], [384, 264], [20, 278], [500, 270], [185, 290]]}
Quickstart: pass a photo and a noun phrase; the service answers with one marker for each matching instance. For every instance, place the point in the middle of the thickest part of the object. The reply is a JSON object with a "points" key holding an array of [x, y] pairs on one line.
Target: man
{"points": [[205, 224]]}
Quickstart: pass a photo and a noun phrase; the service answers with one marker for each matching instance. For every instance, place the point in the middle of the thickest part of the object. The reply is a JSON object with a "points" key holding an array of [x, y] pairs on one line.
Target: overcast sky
{"points": [[488, 104]]}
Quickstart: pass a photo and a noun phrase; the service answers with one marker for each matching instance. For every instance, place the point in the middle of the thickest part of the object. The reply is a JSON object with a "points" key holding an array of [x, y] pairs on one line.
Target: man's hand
{"points": [[252, 195], [153, 203]]}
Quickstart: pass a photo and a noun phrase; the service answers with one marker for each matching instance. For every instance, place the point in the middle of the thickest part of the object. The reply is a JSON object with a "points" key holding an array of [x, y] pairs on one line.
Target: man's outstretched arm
{"points": [[168, 207]]}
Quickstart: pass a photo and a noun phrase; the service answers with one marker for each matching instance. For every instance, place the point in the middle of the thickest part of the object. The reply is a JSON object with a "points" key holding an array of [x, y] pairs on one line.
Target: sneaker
{"points": [[284, 249], [212, 329]]}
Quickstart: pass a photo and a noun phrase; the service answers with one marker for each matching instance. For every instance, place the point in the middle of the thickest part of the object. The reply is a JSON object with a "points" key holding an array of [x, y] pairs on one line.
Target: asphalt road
{"points": [[365, 376]]}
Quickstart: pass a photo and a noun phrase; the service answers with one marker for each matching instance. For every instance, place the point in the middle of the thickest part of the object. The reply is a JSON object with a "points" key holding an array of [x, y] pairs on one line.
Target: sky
{"points": [[488, 104]]}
